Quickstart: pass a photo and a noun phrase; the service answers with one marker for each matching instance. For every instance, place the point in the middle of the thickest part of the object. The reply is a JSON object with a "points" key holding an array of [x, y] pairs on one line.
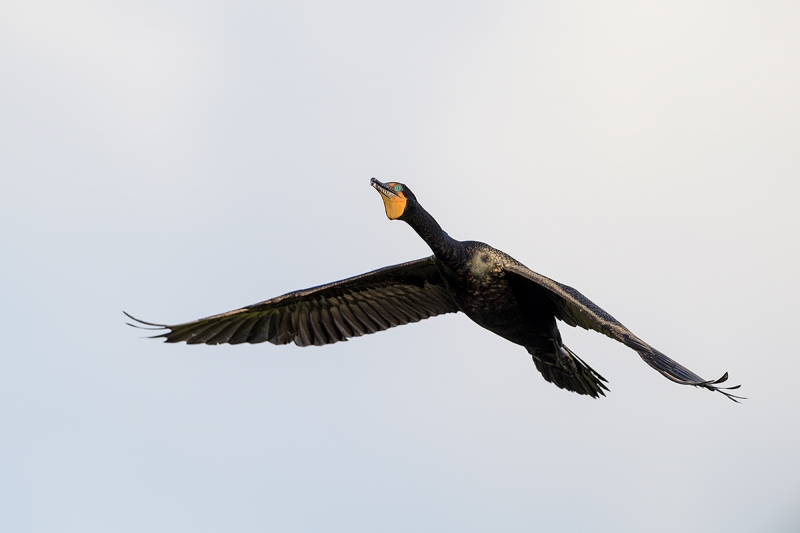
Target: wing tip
{"points": [[155, 327], [712, 385], [140, 321]]}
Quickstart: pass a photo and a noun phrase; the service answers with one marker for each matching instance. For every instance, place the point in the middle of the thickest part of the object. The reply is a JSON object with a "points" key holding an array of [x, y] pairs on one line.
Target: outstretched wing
{"points": [[576, 309], [375, 301]]}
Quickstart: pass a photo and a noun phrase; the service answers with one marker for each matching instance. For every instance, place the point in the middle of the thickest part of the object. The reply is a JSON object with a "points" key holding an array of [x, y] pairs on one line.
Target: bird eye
{"points": [[398, 188]]}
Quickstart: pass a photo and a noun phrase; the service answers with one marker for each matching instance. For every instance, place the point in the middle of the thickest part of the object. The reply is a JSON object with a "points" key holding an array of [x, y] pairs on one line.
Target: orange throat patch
{"points": [[395, 206]]}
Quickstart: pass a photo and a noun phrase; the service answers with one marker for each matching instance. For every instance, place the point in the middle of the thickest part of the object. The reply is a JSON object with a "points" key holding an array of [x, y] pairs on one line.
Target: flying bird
{"points": [[489, 286]]}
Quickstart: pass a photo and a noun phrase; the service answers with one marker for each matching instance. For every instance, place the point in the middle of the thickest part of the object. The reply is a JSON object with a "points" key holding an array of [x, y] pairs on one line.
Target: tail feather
{"points": [[568, 371]]}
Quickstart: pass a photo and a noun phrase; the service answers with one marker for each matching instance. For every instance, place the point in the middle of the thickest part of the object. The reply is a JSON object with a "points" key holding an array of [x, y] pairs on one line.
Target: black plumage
{"points": [[329, 313], [493, 289]]}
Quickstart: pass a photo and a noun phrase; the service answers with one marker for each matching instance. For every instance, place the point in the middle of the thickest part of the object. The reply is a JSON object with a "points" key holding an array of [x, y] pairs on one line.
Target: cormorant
{"points": [[493, 289]]}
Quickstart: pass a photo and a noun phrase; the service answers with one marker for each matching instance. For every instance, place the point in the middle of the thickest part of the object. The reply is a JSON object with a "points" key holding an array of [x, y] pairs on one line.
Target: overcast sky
{"points": [[180, 159]]}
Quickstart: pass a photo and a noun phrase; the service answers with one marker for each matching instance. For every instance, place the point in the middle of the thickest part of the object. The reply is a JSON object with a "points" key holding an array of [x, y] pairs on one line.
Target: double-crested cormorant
{"points": [[493, 289]]}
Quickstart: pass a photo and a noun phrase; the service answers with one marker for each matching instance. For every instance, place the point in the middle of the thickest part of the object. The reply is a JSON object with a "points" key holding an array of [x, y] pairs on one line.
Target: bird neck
{"points": [[448, 250]]}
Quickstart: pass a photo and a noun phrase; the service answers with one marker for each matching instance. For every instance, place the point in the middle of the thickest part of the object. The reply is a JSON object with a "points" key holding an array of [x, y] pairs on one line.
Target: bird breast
{"points": [[481, 290]]}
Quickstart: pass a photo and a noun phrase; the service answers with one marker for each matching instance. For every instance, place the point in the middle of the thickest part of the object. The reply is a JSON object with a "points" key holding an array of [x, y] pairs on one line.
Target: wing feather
{"points": [[326, 314], [576, 309], [243, 332]]}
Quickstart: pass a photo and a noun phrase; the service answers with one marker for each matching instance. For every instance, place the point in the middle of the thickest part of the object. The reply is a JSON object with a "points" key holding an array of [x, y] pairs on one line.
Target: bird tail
{"points": [[568, 371]]}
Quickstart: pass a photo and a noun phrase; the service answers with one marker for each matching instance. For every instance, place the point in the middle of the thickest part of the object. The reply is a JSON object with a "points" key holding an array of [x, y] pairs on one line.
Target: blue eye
{"points": [[398, 188]]}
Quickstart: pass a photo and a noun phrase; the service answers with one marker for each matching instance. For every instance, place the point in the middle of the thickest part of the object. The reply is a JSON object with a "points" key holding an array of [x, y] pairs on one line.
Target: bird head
{"points": [[397, 198]]}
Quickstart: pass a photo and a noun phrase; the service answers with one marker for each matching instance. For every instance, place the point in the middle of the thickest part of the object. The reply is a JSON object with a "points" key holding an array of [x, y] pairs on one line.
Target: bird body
{"points": [[482, 290], [493, 289]]}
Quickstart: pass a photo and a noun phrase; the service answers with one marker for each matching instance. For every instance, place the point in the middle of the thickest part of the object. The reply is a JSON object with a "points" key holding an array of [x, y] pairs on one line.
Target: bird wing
{"points": [[375, 301], [576, 309]]}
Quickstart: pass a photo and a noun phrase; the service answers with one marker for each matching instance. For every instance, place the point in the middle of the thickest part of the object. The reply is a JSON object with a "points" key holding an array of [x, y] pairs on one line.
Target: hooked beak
{"points": [[384, 189]]}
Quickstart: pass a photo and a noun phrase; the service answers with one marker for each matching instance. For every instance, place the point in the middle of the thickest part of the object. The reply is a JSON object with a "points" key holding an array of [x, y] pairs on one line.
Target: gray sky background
{"points": [[179, 159]]}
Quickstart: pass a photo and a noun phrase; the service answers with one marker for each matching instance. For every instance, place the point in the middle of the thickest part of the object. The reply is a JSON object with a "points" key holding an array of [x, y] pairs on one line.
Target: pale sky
{"points": [[180, 159]]}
